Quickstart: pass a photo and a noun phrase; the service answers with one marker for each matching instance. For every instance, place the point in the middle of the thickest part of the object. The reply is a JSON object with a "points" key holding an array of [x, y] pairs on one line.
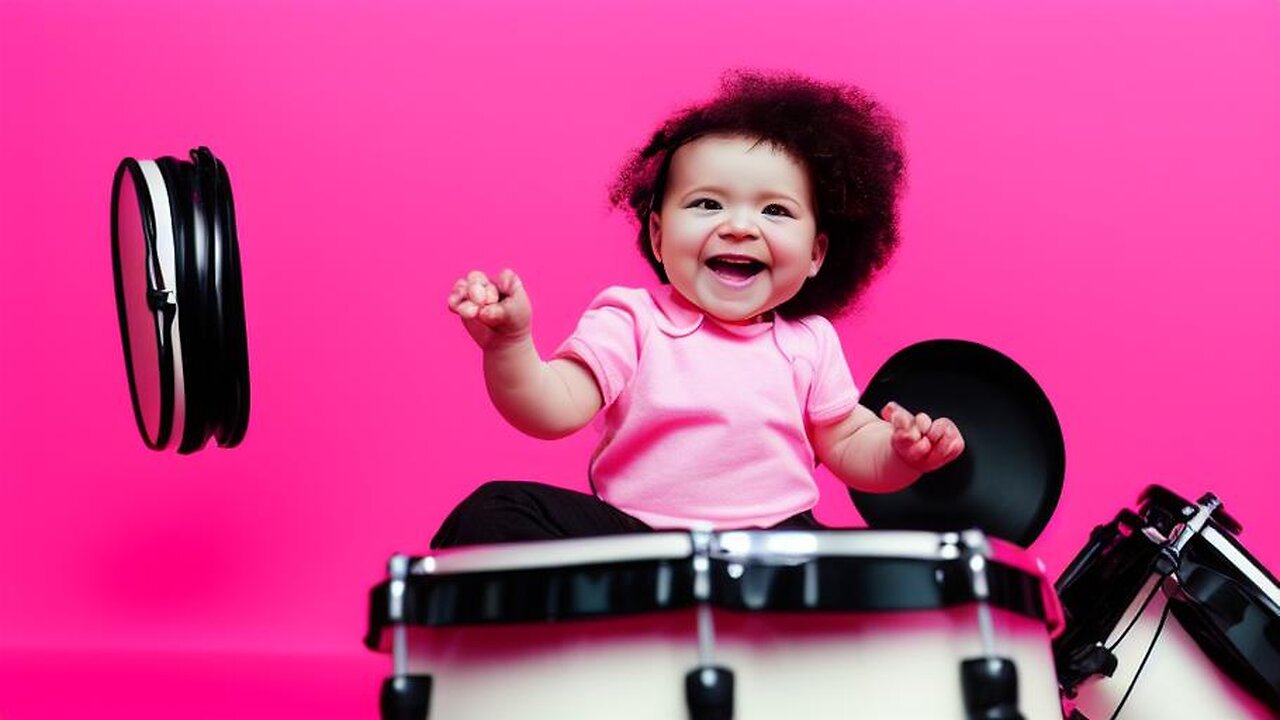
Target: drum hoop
{"points": [[230, 291], [570, 593], [755, 546], [560, 593], [786, 546], [773, 571], [854, 584], [194, 358]]}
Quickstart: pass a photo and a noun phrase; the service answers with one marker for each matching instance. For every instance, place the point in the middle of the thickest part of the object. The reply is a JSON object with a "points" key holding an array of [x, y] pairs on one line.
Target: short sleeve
{"points": [[607, 338], [832, 395]]}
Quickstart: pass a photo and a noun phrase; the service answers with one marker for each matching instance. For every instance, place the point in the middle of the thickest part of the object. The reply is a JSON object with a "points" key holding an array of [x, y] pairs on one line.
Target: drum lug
{"points": [[405, 697], [990, 688], [708, 688], [1086, 662], [1166, 561], [709, 693]]}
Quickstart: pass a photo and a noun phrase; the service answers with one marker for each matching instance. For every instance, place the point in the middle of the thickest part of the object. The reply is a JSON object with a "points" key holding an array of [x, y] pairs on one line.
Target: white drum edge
{"points": [[168, 282], [759, 546], [557, 553]]}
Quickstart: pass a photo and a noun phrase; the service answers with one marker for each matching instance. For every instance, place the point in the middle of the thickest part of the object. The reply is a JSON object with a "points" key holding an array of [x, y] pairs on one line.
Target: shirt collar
{"points": [[678, 317]]}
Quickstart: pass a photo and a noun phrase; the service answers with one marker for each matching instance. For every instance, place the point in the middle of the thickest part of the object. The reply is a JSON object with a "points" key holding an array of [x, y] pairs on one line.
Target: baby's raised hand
{"points": [[492, 311], [924, 444]]}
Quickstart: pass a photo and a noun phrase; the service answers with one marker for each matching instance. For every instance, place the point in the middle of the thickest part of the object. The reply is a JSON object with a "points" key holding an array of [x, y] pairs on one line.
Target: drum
{"points": [[179, 301], [1168, 615], [749, 625]]}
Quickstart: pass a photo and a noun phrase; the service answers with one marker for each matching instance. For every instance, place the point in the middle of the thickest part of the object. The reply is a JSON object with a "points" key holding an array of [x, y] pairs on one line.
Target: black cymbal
{"points": [[1009, 478]]}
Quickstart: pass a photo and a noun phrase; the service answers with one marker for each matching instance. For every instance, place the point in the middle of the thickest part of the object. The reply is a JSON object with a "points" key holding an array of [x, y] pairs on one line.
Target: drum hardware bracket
{"points": [[708, 688], [990, 688], [1086, 662], [1099, 659], [1193, 571], [709, 693], [1154, 536], [162, 300], [403, 696], [1171, 554], [974, 549], [990, 682]]}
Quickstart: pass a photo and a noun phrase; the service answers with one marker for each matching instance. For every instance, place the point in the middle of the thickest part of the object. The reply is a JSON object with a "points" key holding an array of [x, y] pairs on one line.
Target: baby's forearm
{"points": [[865, 460], [545, 400]]}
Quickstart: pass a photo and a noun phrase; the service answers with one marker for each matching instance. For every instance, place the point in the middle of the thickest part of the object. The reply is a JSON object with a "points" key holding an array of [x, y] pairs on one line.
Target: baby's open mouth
{"points": [[735, 268]]}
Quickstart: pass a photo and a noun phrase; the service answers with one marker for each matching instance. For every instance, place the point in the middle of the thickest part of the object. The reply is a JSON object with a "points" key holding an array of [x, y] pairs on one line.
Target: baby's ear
{"points": [[819, 254], [655, 235]]}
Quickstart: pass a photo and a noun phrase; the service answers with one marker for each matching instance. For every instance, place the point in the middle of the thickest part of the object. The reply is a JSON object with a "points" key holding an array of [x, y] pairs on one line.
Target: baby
{"points": [[764, 212]]}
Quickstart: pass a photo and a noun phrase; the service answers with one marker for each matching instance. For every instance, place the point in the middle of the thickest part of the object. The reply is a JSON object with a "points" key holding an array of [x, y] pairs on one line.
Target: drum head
{"points": [[145, 314], [1009, 478]]}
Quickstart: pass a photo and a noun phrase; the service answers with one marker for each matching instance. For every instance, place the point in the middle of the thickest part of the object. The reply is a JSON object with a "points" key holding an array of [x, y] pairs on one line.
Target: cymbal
{"points": [[1008, 480]]}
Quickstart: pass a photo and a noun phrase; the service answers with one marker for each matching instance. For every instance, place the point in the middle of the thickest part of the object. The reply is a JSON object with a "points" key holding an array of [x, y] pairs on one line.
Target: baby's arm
{"points": [[875, 455], [542, 399]]}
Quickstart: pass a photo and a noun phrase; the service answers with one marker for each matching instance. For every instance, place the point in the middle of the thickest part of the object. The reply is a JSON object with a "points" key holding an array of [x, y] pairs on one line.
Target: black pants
{"points": [[511, 511]]}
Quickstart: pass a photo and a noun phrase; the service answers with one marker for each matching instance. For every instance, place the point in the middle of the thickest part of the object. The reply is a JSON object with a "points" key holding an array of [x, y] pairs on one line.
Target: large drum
{"points": [[751, 625], [1169, 616]]}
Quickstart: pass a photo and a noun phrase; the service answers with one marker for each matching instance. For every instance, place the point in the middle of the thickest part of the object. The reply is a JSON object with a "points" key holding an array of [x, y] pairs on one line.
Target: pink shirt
{"points": [[705, 422]]}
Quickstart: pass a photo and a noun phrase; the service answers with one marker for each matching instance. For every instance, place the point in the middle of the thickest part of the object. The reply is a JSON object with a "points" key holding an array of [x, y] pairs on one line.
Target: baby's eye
{"points": [[776, 209], [705, 204]]}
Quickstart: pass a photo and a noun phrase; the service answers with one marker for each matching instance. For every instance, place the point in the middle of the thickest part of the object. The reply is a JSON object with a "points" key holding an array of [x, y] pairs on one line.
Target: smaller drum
{"points": [[176, 262], [1169, 616], [751, 625]]}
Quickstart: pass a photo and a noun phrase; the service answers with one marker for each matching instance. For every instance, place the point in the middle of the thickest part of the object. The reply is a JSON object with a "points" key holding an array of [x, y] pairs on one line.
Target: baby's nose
{"points": [[740, 225]]}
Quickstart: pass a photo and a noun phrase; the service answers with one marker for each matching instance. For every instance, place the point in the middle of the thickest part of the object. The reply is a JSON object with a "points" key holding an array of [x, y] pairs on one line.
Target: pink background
{"points": [[1093, 191]]}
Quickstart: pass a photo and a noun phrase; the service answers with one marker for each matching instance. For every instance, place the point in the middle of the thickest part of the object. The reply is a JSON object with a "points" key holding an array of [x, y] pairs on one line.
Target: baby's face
{"points": [[736, 230]]}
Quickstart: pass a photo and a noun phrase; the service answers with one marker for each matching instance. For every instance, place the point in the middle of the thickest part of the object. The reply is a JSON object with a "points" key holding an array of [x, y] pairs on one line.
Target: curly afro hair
{"points": [[847, 142]]}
